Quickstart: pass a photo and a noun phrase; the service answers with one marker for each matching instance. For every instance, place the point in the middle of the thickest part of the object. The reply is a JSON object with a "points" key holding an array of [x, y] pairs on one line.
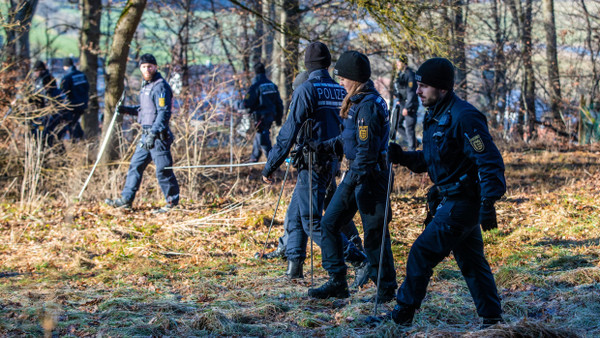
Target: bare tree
{"points": [[20, 14], [91, 14], [552, 62], [117, 65]]}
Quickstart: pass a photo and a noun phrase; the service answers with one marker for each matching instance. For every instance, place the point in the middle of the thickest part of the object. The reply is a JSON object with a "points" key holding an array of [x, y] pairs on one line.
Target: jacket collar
{"points": [[368, 89], [155, 78], [319, 74]]}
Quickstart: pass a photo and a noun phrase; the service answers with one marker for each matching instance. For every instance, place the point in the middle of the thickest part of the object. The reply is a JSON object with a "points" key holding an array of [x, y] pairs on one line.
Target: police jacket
{"points": [[405, 89], [45, 89], [319, 99], [458, 149], [154, 110], [366, 132], [75, 87], [263, 100]]}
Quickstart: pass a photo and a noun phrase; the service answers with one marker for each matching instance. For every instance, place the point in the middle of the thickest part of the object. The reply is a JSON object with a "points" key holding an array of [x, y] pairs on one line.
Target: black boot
{"points": [[403, 314], [278, 253], [336, 287], [362, 272], [491, 321], [118, 203], [294, 270]]}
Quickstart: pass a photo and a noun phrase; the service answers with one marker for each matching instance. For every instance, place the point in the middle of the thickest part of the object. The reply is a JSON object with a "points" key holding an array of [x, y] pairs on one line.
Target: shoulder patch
{"points": [[363, 133], [161, 101], [477, 143]]}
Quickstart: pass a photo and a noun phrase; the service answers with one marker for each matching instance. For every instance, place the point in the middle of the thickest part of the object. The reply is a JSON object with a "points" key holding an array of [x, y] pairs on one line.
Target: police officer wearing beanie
{"points": [[75, 87], [46, 95], [364, 141], [468, 175], [404, 116], [314, 109], [265, 105], [153, 113]]}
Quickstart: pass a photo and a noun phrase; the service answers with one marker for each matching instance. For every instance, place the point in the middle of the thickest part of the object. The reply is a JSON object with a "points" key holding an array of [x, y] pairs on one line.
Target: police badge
{"points": [[477, 143], [363, 133], [161, 101]]}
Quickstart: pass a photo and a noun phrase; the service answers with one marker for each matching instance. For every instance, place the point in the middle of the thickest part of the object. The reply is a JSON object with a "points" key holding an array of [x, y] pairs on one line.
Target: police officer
{"points": [[405, 111], [45, 96], [265, 105], [468, 175], [75, 88], [314, 109], [153, 114], [364, 138]]}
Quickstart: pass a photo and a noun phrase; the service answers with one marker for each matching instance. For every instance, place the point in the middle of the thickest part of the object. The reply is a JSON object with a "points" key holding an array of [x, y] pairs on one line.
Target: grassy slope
{"points": [[85, 269]]}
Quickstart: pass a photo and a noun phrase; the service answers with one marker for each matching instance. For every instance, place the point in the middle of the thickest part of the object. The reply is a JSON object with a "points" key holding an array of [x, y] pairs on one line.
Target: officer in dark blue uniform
{"points": [[314, 109], [265, 105], [153, 114], [468, 172], [75, 88], [364, 138], [405, 111], [45, 98]]}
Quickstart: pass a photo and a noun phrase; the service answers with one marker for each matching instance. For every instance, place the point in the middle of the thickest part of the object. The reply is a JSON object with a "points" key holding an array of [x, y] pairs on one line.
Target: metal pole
{"points": [[231, 141], [104, 143], [310, 196], [276, 206]]}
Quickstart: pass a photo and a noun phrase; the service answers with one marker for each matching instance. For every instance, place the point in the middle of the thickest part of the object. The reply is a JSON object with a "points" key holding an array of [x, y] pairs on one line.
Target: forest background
{"points": [[74, 267]]}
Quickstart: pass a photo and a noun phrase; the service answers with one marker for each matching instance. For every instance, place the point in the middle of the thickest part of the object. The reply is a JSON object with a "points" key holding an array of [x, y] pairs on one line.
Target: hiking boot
{"points": [[294, 270], [118, 203], [335, 287], [403, 314], [163, 210], [278, 253], [362, 272], [490, 321]]}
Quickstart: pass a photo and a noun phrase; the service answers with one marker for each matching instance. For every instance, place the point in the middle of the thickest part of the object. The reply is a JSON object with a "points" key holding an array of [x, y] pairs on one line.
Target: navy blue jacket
{"points": [[319, 98], [75, 87], [45, 87], [154, 110], [366, 131], [456, 141], [263, 100], [405, 89]]}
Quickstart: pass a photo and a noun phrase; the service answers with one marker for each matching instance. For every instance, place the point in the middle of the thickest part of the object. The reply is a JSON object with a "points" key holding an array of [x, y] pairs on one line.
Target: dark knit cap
{"points": [[68, 62], [148, 58], [353, 65], [300, 79], [39, 65], [259, 68], [436, 72], [317, 56]]}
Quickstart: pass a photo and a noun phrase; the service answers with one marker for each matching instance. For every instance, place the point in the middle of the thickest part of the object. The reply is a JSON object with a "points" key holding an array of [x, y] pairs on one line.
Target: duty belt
{"points": [[463, 185]]}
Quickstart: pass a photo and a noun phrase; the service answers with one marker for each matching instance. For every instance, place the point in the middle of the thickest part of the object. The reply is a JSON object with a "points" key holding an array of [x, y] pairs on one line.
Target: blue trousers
{"points": [[262, 141], [161, 156], [368, 198], [455, 229], [299, 209]]}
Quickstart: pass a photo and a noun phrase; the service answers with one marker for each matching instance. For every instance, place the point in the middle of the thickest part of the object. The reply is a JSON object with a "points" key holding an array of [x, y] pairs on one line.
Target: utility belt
{"points": [[163, 135], [320, 162], [382, 164], [437, 194]]}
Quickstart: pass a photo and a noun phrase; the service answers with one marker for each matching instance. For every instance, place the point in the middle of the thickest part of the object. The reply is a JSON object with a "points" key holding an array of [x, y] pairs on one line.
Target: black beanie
{"points": [[259, 68], [317, 56], [436, 72], [148, 58], [39, 65], [68, 62], [353, 65]]}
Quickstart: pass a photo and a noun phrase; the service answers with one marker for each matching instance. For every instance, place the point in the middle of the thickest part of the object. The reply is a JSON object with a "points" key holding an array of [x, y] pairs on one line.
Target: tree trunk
{"points": [[117, 65], [459, 21], [499, 88], [267, 42], [589, 40], [90, 47], [290, 19], [20, 14], [552, 62]]}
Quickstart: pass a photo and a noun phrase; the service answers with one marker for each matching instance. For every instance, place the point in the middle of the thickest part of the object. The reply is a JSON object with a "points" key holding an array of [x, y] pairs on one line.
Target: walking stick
{"points": [[287, 163], [104, 143], [385, 226], [310, 195]]}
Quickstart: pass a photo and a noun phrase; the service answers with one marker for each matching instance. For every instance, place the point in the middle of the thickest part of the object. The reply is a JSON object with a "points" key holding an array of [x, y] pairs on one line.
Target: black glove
{"points": [[316, 147], [395, 153], [121, 110], [487, 215], [148, 142]]}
